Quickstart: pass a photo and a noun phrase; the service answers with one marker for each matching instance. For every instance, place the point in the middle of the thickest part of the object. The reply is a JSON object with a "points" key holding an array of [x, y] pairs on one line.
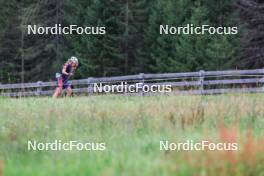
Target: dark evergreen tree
{"points": [[252, 16], [100, 54], [134, 20], [11, 41], [174, 53], [44, 53]]}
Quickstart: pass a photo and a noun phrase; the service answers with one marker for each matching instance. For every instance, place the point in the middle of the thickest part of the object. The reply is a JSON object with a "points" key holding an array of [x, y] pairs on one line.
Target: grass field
{"points": [[132, 128]]}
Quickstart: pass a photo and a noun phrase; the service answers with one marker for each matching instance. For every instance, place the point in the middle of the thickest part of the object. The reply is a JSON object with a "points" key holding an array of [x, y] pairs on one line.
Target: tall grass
{"points": [[132, 128]]}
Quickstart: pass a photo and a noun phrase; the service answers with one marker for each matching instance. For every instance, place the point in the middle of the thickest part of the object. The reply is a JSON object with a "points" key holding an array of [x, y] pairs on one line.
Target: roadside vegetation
{"points": [[132, 128]]}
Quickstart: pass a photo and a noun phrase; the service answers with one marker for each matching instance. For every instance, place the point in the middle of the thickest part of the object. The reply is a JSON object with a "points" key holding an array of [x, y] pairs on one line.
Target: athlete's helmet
{"points": [[74, 60]]}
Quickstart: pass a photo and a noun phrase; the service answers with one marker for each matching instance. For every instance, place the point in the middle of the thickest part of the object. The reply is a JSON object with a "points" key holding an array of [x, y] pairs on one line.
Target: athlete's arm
{"points": [[73, 70], [64, 69]]}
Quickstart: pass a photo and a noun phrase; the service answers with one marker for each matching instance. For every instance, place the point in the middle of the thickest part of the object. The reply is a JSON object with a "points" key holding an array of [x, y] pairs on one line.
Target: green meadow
{"points": [[132, 128]]}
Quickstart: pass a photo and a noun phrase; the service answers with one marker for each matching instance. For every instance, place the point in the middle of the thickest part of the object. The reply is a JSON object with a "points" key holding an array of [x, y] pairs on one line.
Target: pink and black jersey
{"points": [[63, 80], [68, 68]]}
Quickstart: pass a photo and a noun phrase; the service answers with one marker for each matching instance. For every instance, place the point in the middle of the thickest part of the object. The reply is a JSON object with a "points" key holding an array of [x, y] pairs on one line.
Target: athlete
{"points": [[68, 70]]}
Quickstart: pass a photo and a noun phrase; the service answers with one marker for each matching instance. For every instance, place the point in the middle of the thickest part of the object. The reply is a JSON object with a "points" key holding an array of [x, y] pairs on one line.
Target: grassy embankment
{"points": [[132, 128]]}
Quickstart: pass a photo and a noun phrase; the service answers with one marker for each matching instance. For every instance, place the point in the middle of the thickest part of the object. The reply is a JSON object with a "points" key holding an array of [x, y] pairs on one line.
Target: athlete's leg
{"points": [[69, 91], [59, 88], [57, 92]]}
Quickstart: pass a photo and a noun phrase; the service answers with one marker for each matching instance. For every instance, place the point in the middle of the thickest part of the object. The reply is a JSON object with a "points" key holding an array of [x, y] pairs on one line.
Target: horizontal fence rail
{"points": [[202, 82]]}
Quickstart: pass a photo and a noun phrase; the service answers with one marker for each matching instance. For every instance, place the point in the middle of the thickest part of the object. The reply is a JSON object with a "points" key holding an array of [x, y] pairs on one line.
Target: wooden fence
{"points": [[202, 82]]}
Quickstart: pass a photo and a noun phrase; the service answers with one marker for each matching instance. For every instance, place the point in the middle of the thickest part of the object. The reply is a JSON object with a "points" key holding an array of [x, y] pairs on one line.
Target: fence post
{"points": [[201, 81], [39, 89], [142, 81], [90, 87]]}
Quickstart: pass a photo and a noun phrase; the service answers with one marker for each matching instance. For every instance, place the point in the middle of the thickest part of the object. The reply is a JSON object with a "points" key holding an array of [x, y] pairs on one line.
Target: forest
{"points": [[132, 43]]}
